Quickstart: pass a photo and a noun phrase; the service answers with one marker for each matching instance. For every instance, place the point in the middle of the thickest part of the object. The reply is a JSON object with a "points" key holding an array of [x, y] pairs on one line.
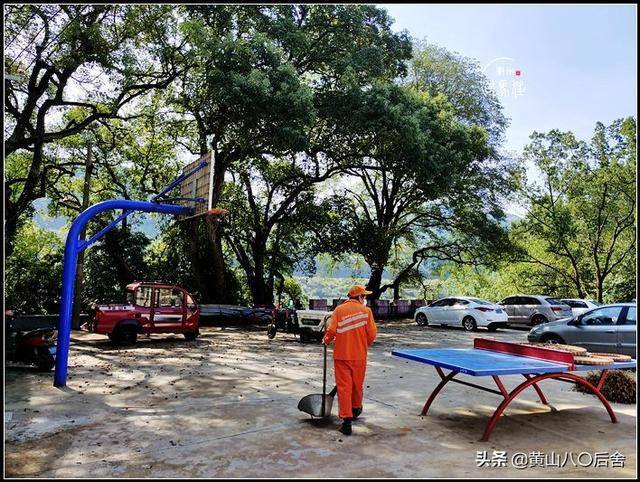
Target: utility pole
{"points": [[86, 191]]}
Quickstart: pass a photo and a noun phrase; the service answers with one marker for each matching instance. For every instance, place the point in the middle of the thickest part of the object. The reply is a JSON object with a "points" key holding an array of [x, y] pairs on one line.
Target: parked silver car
{"points": [[579, 306], [606, 329], [534, 309]]}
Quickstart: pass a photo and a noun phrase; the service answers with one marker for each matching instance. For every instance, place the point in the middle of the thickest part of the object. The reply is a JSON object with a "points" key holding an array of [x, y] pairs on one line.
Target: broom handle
{"points": [[324, 379]]}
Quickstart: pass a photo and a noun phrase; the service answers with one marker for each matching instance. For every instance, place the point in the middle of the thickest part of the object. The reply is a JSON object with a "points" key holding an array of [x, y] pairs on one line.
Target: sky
{"points": [[577, 63]]}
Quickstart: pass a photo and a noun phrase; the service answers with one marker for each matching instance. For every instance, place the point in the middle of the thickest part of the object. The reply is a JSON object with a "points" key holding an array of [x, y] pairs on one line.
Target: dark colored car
{"points": [[222, 314], [260, 315]]}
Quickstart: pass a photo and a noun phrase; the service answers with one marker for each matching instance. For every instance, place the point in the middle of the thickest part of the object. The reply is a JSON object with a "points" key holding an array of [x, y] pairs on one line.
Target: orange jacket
{"points": [[354, 330]]}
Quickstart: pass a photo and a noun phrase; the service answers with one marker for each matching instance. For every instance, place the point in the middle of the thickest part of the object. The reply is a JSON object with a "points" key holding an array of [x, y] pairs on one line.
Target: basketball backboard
{"points": [[199, 186]]}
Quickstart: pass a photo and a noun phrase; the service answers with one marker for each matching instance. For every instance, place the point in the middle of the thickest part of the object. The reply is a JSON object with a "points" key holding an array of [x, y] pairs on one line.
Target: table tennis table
{"points": [[495, 358]]}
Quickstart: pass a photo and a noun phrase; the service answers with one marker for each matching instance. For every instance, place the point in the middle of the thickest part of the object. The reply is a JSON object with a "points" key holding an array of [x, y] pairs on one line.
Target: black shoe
{"points": [[356, 412], [345, 428]]}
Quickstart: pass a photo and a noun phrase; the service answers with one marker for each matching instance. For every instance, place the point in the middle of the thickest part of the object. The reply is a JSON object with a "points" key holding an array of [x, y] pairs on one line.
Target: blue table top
{"points": [[480, 363]]}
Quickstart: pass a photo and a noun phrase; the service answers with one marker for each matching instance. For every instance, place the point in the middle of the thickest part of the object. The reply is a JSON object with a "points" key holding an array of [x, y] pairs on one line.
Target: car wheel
{"points": [[537, 320], [469, 324], [492, 327], [191, 335], [304, 337], [126, 335], [551, 338], [421, 319], [271, 331]]}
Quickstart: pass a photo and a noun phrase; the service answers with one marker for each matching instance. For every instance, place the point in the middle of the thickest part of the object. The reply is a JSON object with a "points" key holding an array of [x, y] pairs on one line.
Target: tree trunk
{"points": [[599, 288], [396, 290], [10, 225], [113, 246], [86, 191], [375, 280], [218, 292], [189, 228], [207, 262], [260, 291]]}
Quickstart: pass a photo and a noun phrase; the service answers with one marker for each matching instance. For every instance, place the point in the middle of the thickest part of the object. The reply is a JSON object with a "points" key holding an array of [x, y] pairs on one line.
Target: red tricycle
{"points": [[151, 307]]}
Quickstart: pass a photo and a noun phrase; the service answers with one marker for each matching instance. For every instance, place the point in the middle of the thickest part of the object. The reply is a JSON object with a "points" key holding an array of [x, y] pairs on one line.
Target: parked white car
{"points": [[579, 306], [470, 313]]}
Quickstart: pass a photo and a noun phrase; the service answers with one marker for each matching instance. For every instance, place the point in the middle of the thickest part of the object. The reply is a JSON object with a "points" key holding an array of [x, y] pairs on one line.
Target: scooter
{"points": [[32, 346]]}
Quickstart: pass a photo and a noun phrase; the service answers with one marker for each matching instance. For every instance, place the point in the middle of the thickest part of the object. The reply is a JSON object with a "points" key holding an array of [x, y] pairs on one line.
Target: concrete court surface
{"points": [[226, 406]]}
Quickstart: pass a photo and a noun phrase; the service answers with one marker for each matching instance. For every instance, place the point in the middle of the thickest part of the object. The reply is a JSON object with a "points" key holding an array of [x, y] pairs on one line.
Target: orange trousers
{"points": [[349, 380]]}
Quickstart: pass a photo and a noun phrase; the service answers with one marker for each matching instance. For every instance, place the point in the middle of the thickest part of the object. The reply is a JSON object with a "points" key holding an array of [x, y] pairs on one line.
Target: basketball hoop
{"points": [[216, 212]]}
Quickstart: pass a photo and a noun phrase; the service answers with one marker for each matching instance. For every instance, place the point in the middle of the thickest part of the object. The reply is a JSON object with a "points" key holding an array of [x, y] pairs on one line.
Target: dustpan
{"points": [[319, 404]]}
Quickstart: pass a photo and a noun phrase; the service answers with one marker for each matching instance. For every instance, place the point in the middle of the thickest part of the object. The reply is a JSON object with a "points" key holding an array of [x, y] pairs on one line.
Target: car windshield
{"points": [[553, 301], [480, 302]]}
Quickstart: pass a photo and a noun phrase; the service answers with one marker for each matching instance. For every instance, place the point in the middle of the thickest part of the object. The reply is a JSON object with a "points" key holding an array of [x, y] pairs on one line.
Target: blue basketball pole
{"points": [[73, 246]]}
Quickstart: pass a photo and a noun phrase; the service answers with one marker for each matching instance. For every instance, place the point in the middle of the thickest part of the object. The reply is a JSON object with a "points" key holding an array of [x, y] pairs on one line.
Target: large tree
{"points": [[266, 80], [428, 179], [130, 159], [274, 213], [580, 232], [93, 59]]}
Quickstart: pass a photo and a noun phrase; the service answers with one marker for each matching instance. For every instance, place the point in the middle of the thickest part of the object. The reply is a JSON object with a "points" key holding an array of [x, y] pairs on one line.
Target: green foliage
{"points": [[106, 274], [438, 71], [427, 181], [330, 137], [77, 66], [482, 282], [33, 271], [264, 88], [579, 234], [578, 238], [294, 294]]}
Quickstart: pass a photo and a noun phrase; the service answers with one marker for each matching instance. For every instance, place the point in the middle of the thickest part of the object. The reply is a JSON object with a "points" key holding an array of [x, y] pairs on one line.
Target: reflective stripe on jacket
{"points": [[354, 330]]}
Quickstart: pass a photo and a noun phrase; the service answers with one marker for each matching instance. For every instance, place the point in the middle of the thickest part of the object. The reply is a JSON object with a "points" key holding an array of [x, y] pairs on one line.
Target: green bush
{"points": [[619, 386]]}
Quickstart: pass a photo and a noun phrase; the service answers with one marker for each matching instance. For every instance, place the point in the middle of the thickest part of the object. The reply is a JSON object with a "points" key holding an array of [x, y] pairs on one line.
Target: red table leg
{"points": [[538, 391], [533, 381], [434, 394]]}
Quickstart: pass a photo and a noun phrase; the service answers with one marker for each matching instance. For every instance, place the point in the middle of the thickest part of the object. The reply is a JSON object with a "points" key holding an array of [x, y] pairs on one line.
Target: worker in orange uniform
{"points": [[354, 330]]}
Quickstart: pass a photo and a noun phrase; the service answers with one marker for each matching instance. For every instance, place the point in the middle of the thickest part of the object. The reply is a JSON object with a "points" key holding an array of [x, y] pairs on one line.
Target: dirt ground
{"points": [[226, 406]]}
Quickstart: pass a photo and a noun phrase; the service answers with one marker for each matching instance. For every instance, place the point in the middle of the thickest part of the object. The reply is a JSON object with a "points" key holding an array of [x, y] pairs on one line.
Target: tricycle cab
{"points": [[312, 324]]}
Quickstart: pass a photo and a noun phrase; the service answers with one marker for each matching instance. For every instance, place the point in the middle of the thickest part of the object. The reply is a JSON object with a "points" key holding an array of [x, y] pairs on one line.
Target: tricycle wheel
{"points": [[304, 337], [271, 331], [45, 362], [125, 335], [191, 335]]}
